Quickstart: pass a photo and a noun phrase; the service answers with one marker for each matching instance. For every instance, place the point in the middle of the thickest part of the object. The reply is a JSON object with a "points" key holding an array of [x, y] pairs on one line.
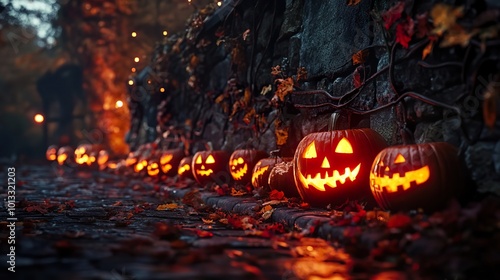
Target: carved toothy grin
{"points": [[204, 172], [238, 174], [319, 182], [183, 169], [260, 171], [391, 184], [165, 168]]}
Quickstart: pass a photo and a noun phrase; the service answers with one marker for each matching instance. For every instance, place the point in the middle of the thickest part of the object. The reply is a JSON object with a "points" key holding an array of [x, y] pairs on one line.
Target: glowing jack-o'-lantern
{"points": [[334, 166], [184, 170], [262, 169], [102, 159], [169, 161], [51, 153], [153, 168], [210, 166], [64, 155], [84, 154], [140, 165], [416, 176], [242, 162]]}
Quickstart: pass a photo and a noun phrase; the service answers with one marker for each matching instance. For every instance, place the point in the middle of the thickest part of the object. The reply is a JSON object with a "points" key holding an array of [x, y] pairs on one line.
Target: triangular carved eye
{"points": [[210, 159], [198, 160], [400, 159], [344, 147], [311, 151]]}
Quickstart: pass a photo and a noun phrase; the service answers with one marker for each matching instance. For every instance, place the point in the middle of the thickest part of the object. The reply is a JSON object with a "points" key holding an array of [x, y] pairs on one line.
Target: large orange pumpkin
{"points": [[242, 162], [334, 166], [211, 167], [416, 176]]}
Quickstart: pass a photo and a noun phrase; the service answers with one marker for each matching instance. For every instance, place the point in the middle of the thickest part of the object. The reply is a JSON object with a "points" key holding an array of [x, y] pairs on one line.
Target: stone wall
{"points": [[220, 88]]}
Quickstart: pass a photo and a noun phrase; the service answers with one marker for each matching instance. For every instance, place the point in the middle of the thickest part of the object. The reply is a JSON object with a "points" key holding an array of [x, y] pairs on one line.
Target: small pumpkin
{"points": [[281, 179], [51, 153], [210, 166], [153, 168], [242, 162], [184, 169], [416, 176], [334, 166], [169, 161], [64, 155]]}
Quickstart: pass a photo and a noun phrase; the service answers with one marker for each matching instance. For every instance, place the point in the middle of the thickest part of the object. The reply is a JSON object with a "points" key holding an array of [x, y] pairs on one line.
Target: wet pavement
{"points": [[96, 225]]}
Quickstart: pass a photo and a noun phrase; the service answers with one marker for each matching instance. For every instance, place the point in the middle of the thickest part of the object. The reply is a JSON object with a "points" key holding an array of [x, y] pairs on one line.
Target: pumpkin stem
{"points": [[333, 123]]}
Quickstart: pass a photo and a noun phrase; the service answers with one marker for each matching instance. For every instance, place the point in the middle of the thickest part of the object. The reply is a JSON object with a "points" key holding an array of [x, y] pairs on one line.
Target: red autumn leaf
{"points": [[399, 221], [393, 14], [203, 233], [404, 32], [235, 222], [36, 208], [276, 195], [138, 209]]}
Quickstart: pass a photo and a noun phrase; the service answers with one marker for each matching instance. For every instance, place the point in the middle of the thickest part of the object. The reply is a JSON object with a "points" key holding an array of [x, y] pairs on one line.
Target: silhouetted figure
{"points": [[64, 86]]}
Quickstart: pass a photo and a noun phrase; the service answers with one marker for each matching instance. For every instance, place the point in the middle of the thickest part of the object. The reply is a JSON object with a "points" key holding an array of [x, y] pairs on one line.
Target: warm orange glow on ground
{"points": [[39, 118]]}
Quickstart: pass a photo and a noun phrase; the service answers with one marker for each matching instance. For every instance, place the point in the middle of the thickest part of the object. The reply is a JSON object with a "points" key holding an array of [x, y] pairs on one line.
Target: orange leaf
{"points": [[359, 57], [445, 17], [353, 2], [428, 49]]}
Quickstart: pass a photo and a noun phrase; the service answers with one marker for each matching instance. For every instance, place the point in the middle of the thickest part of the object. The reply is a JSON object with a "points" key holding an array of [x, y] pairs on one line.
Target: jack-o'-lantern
{"points": [[140, 165], [169, 161], [262, 169], [334, 166], [416, 176], [83, 154], [64, 155], [51, 153], [153, 168], [242, 162], [184, 170], [211, 166], [102, 158], [281, 179]]}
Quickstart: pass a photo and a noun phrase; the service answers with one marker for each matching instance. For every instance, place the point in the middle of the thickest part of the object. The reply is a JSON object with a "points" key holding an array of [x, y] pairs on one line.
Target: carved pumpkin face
{"points": [[242, 162], [64, 155], [169, 161], [143, 163], [51, 153], [416, 176], [153, 168], [332, 167], [208, 166], [184, 170], [262, 169]]}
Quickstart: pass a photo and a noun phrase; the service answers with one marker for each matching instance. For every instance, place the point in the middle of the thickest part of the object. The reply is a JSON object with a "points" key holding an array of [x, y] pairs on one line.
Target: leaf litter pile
{"points": [[145, 223]]}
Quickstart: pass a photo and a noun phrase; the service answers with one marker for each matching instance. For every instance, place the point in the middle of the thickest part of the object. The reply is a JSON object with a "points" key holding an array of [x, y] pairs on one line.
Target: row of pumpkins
{"points": [[327, 168]]}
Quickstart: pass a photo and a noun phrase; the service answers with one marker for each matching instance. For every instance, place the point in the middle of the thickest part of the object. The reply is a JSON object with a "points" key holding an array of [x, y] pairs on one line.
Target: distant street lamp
{"points": [[39, 118]]}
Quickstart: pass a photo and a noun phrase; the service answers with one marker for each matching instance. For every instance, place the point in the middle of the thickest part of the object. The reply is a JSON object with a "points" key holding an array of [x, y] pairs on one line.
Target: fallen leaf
{"points": [[399, 221], [404, 32], [207, 221], [266, 89], [118, 203], [393, 14], [168, 206], [444, 17], [276, 195], [353, 2], [235, 192], [428, 49], [359, 57], [204, 233], [246, 34]]}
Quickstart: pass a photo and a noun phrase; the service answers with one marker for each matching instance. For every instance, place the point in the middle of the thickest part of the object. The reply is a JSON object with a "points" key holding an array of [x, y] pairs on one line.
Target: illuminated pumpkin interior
{"points": [[238, 171], [326, 175], [61, 158], [183, 168], [392, 179], [153, 169], [165, 162], [203, 170], [140, 165], [51, 153], [259, 171], [103, 157]]}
